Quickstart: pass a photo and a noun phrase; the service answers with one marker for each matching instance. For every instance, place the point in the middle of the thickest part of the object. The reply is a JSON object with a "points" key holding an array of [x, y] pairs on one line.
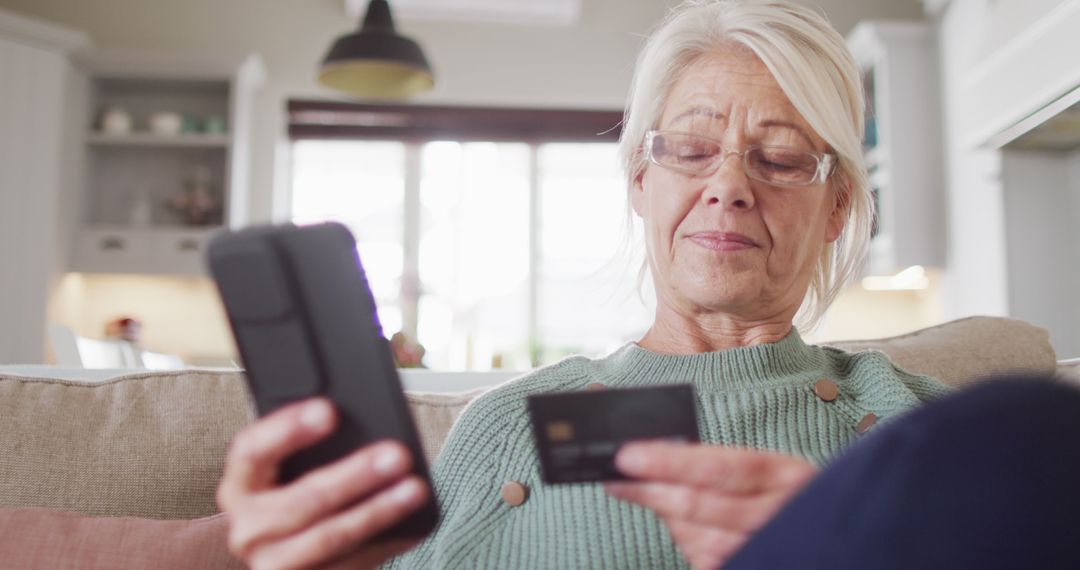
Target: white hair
{"points": [[812, 65]]}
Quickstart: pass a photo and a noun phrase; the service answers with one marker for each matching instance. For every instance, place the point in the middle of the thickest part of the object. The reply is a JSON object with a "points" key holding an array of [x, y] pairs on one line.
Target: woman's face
{"points": [[724, 243]]}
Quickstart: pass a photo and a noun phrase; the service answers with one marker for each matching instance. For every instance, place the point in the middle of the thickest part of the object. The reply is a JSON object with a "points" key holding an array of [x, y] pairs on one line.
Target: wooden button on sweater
{"points": [[826, 390], [514, 493], [866, 423], [594, 386]]}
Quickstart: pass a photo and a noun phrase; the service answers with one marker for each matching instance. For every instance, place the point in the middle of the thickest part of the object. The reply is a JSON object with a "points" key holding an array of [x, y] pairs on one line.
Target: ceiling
{"points": [[530, 12], [843, 14], [1060, 132]]}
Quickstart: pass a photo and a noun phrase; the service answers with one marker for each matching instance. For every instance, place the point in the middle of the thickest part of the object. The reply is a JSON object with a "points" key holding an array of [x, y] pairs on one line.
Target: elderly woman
{"points": [[742, 148]]}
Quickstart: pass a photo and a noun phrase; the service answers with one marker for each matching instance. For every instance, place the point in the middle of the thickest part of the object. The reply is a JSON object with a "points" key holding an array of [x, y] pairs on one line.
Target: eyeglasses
{"points": [[701, 156]]}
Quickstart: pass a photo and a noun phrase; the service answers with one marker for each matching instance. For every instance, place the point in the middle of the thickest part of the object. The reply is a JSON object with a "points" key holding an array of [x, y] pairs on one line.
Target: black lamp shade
{"points": [[375, 61]]}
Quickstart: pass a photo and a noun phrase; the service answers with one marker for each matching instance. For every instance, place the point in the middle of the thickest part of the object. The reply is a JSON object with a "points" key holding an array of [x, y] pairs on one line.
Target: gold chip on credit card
{"points": [[560, 431]]}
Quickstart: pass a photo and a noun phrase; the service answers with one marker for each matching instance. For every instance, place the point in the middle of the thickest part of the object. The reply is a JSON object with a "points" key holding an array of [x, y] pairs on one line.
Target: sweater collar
{"points": [[724, 370]]}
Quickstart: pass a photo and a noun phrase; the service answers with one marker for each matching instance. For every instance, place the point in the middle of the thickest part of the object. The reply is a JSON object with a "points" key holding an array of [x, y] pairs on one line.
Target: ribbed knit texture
{"points": [[760, 397]]}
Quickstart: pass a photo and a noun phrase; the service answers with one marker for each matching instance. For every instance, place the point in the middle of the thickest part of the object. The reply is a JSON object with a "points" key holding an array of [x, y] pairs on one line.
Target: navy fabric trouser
{"points": [[988, 478]]}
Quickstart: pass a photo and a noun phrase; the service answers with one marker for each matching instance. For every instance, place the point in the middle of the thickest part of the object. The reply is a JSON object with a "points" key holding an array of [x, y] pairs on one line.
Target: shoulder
{"points": [[495, 429], [498, 416], [508, 399], [873, 374]]}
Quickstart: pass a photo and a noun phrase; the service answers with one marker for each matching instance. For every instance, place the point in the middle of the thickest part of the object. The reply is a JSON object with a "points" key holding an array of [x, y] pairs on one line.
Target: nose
{"points": [[729, 186]]}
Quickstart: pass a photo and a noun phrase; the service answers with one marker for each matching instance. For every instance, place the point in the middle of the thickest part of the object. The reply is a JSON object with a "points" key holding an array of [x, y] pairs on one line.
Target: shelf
{"points": [[152, 228], [158, 250], [875, 156], [903, 144], [198, 140], [138, 187], [880, 179]]}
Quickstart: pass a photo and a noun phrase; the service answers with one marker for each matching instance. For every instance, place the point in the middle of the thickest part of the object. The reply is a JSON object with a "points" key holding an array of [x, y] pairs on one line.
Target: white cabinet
{"points": [[33, 71], [898, 61], [164, 159]]}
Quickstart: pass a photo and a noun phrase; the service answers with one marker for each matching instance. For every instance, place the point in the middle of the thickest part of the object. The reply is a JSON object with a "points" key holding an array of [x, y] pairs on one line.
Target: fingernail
{"points": [[388, 460], [315, 415], [406, 492], [630, 459]]}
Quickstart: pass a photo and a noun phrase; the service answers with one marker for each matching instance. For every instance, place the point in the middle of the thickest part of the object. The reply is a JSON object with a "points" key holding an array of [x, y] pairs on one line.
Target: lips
{"points": [[722, 241]]}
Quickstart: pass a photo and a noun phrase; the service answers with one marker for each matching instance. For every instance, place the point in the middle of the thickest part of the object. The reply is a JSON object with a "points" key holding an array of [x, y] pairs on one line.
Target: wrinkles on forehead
{"points": [[735, 86], [707, 121]]}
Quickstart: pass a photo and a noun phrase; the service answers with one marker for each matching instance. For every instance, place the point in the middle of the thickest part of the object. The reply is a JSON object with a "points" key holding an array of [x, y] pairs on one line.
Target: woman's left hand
{"points": [[711, 498]]}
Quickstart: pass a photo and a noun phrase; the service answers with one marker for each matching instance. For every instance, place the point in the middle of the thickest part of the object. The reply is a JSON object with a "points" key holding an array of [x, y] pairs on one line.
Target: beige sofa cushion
{"points": [[1069, 371], [434, 414], [143, 445], [961, 351]]}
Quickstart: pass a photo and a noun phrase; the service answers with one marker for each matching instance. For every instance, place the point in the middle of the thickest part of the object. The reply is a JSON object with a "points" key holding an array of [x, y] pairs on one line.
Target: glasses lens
{"points": [[782, 166], [683, 152]]}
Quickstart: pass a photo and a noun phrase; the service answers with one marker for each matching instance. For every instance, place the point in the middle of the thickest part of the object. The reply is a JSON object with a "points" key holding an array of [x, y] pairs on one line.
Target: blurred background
{"points": [[490, 210]]}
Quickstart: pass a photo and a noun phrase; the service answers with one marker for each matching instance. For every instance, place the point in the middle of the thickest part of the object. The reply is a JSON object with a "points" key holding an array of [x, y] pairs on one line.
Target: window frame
{"points": [[416, 125]]}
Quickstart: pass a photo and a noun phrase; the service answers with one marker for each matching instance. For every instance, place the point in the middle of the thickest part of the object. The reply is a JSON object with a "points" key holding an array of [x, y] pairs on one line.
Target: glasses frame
{"points": [[825, 162]]}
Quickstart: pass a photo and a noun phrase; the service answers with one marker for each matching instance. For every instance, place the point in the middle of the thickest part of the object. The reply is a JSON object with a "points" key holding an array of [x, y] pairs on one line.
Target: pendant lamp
{"points": [[375, 61]]}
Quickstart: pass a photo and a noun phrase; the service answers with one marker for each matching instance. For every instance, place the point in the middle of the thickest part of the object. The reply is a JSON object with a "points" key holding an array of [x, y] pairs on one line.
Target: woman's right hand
{"points": [[328, 516]]}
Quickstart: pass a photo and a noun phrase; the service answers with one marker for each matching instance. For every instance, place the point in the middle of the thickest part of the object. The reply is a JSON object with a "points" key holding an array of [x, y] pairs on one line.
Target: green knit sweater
{"points": [[760, 396]]}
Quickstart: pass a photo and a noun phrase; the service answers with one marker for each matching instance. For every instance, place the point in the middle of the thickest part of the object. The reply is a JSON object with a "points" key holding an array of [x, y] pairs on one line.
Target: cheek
{"points": [[663, 209], [797, 234]]}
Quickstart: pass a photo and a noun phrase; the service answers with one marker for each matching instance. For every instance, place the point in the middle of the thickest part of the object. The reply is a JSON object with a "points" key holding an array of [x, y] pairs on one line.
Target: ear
{"points": [[839, 215], [637, 193]]}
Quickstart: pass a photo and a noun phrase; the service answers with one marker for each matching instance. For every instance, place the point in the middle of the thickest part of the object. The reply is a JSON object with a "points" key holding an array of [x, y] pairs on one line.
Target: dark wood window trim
{"points": [[309, 119]]}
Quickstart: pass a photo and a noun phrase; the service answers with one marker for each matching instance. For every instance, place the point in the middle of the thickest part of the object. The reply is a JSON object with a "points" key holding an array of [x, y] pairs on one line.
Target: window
{"points": [[362, 185], [474, 254], [498, 248], [588, 301]]}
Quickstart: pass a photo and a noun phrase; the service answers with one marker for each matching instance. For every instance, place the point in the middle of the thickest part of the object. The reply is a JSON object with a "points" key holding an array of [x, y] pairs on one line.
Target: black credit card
{"points": [[578, 433]]}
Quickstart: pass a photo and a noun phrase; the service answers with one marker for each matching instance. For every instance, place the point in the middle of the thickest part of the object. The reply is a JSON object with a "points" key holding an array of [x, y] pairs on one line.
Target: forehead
{"points": [[733, 82]]}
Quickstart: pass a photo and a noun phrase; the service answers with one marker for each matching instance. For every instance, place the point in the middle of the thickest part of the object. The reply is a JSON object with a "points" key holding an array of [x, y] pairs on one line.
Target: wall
{"points": [[1007, 19], [974, 282], [861, 314], [179, 316], [1012, 247], [588, 65], [1041, 245], [1072, 309], [33, 67]]}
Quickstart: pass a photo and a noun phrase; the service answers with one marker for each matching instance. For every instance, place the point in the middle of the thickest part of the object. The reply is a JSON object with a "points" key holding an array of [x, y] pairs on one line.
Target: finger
{"points": [[700, 505], [345, 532], [730, 469], [704, 547], [255, 453], [319, 494]]}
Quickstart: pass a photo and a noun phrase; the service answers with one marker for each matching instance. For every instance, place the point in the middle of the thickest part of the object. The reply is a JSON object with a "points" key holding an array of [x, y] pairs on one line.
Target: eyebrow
{"points": [[792, 126], [705, 111], [714, 114]]}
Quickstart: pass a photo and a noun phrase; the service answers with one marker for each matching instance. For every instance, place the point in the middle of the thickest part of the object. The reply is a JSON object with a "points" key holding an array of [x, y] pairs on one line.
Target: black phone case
{"points": [[304, 321]]}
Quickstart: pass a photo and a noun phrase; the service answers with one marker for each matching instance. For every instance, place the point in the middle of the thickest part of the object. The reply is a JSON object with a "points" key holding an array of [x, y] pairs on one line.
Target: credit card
{"points": [[578, 433]]}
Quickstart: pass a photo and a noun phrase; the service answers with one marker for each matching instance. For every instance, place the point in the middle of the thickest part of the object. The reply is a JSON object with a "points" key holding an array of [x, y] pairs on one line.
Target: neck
{"points": [[675, 333]]}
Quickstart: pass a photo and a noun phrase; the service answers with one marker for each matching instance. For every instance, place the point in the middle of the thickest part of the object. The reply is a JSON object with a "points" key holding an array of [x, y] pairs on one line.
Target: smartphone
{"points": [[305, 324]]}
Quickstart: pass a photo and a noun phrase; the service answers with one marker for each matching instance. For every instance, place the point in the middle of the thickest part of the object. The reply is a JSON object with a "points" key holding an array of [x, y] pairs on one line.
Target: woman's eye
{"points": [[778, 166], [784, 161], [694, 154]]}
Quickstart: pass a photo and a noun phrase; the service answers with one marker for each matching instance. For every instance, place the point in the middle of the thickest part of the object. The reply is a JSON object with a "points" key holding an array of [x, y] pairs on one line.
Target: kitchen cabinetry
{"points": [[902, 142], [165, 159]]}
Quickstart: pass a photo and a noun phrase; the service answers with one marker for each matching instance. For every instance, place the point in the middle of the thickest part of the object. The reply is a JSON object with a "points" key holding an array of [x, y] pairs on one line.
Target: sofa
{"points": [[121, 472]]}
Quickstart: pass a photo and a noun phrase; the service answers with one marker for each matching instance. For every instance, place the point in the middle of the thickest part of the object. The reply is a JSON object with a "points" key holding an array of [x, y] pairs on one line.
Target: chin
{"points": [[721, 293]]}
